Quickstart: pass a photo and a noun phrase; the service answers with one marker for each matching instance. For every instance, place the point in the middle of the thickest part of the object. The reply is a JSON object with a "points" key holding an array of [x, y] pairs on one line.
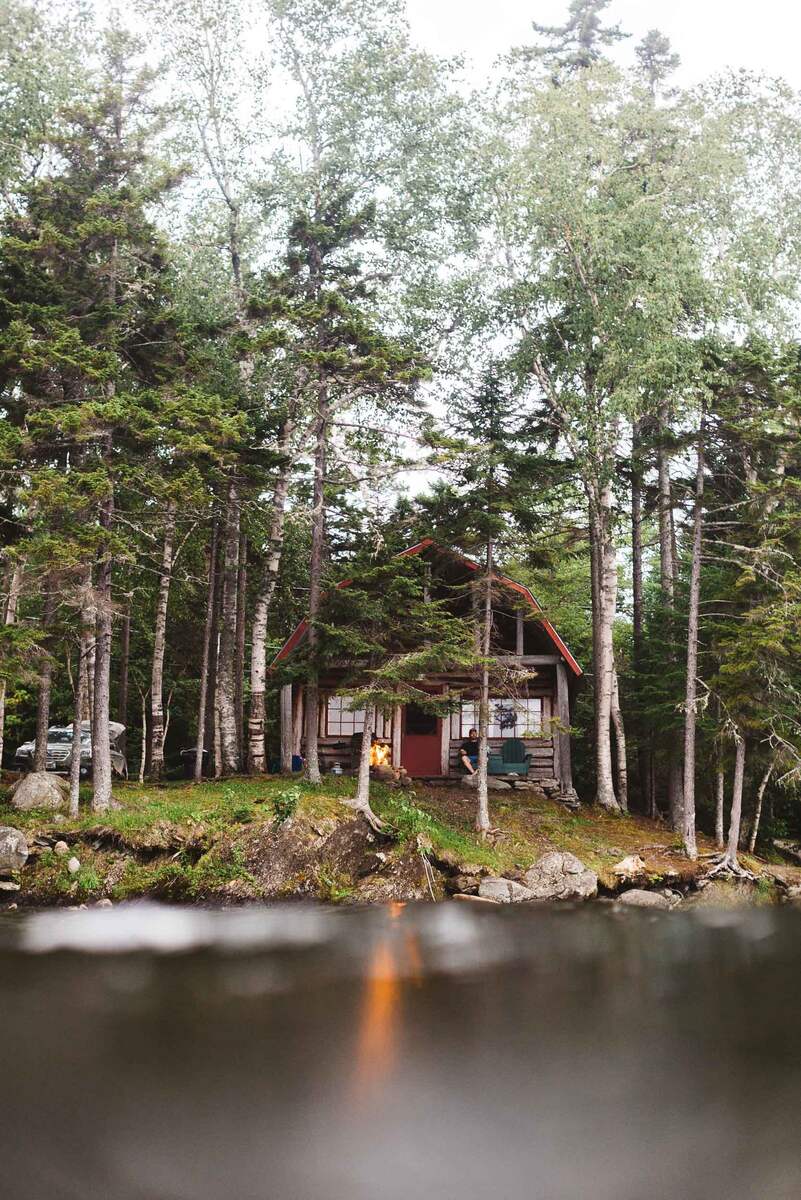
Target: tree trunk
{"points": [[482, 807], [125, 656], [9, 618], [239, 670], [643, 771], [159, 647], [208, 631], [720, 792], [226, 664], [730, 858], [143, 752], [257, 750], [45, 682], [691, 693], [620, 746], [667, 577], [604, 660], [315, 589], [763, 783], [101, 744], [77, 717], [361, 802]]}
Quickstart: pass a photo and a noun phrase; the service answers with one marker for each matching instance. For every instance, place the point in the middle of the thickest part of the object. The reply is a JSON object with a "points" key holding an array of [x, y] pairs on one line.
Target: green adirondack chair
{"points": [[512, 760]]}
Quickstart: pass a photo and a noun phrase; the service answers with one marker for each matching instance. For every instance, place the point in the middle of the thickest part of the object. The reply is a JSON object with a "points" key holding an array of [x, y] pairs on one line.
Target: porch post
{"points": [[563, 715], [445, 744], [519, 635], [397, 717], [297, 721], [286, 729]]}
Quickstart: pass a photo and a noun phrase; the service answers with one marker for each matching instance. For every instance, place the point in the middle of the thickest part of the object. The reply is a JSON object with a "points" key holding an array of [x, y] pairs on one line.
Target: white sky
{"points": [[762, 35]]}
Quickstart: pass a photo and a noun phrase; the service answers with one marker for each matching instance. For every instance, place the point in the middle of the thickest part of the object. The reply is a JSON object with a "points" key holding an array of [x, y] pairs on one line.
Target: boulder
{"points": [[629, 867], [73, 866], [61, 848], [503, 891], [39, 789], [493, 783], [560, 876], [13, 849], [638, 898]]}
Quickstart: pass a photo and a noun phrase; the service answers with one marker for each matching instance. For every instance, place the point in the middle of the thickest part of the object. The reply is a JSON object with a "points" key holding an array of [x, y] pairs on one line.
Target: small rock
{"points": [[61, 848], [73, 866], [469, 781], [462, 883], [11, 907], [560, 876], [629, 867], [8, 885], [498, 785], [59, 818], [638, 898], [104, 903], [503, 891], [474, 899], [13, 849]]}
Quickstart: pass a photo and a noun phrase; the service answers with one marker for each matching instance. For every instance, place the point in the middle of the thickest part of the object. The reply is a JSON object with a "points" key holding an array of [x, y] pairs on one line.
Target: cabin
{"points": [[535, 710]]}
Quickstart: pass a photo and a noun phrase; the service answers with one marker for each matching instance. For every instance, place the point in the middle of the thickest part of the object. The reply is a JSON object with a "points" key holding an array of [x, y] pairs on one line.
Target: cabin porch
{"points": [[427, 745]]}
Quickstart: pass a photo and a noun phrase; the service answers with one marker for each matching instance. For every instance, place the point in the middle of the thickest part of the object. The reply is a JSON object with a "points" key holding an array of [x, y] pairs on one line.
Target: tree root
{"points": [[366, 811], [729, 866]]}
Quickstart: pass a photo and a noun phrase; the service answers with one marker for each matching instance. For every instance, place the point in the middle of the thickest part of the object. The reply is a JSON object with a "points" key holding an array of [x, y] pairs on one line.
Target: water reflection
{"points": [[166, 1054]]}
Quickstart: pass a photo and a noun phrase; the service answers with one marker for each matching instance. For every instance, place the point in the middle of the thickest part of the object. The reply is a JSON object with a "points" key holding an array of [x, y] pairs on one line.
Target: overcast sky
{"points": [[763, 35]]}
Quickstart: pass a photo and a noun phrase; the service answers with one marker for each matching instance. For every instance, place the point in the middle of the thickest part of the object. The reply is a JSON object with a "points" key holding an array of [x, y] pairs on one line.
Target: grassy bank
{"points": [[242, 839]]}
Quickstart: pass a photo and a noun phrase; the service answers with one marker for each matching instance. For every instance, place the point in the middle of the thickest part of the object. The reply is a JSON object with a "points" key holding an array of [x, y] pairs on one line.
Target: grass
{"points": [[179, 840]]}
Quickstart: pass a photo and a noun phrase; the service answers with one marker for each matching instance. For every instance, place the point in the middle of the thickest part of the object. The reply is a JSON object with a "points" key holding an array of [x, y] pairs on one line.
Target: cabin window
{"points": [[509, 717], [342, 721]]}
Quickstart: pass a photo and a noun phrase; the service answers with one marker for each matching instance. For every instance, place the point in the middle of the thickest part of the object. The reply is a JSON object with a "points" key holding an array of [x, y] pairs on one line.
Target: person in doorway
{"points": [[468, 752]]}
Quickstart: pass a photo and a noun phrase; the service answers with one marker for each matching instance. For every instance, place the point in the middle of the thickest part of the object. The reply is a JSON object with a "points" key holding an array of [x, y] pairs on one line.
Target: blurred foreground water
{"points": [[451, 1051]]}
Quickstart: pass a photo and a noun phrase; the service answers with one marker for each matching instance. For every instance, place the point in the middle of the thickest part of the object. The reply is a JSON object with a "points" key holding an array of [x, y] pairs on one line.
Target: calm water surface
{"points": [[445, 1051]]}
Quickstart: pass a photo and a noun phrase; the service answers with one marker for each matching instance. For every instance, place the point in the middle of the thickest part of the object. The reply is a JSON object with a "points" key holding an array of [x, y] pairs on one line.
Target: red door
{"points": [[421, 742]]}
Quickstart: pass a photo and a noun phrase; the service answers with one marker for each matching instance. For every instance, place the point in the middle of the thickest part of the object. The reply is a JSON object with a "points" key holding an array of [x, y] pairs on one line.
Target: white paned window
{"points": [[514, 717], [342, 721]]}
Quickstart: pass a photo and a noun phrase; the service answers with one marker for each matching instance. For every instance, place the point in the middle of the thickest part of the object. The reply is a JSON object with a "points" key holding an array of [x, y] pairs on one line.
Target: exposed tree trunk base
{"points": [[727, 865], [363, 807]]}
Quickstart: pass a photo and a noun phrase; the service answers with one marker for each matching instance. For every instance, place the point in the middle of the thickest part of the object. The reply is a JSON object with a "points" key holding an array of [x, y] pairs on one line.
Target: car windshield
{"points": [[58, 737]]}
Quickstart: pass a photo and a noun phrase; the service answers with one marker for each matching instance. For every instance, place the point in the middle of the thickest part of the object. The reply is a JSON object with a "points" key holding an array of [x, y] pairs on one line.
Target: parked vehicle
{"points": [[59, 750]]}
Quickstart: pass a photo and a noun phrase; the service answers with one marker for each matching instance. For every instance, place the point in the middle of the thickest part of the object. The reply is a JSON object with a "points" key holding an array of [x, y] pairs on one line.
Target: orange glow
{"points": [[378, 1026], [380, 755]]}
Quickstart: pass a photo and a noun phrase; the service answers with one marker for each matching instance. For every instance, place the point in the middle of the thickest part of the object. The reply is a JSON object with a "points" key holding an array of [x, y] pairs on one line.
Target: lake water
{"points": [[448, 1051]]}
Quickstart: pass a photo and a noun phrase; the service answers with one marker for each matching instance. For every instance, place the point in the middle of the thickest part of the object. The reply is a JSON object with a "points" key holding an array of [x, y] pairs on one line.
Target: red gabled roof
{"points": [[297, 634]]}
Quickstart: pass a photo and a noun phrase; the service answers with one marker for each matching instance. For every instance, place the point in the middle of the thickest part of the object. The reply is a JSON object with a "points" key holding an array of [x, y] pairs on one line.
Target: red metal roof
{"points": [[297, 634]]}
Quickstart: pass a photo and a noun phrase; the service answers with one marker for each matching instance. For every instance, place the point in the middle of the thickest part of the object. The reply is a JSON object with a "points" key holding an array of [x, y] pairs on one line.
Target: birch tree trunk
{"points": [[730, 859], [159, 646], [667, 577], [720, 792], [601, 532], [226, 664], [9, 618], [125, 656], [257, 750], [45, 682], [763, 783], [77, 717], [643, 770], [691, 693], [620, 746], [361, 801], [239, 656], [482, 790], [101, 744], [204, 667], [315, 589]]}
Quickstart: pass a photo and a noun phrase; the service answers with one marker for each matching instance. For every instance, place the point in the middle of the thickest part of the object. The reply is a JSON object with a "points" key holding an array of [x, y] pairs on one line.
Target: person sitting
{"points": [[468, 752]]}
